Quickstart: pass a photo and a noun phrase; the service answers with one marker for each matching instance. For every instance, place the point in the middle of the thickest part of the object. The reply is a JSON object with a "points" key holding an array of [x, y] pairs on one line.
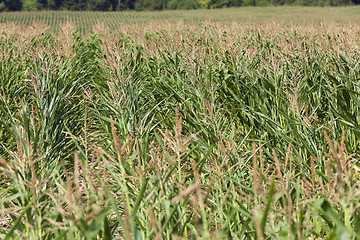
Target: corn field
{"points": [[180, 131], [85, 21]]}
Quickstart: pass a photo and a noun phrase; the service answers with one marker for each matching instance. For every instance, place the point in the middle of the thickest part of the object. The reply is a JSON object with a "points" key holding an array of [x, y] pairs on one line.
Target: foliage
{"points": [[204, 132], [29, 5], [139, 5], [113, 21]]}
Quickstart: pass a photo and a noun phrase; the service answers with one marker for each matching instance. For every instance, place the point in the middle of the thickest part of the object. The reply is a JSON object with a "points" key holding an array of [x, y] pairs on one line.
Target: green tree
{"points": [[123, 4], [52, 4], [248, 3], [183, 4], [2, 7], [235, 3], [11, 5], [262, 3], [204, 3], [29, 5], [218, 3], [42, 4], [150, 4], [102, 5]]}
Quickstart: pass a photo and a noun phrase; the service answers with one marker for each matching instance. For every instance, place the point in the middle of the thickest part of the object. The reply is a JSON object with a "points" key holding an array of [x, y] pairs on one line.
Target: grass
{"points": [[85, 21], [175, 130]]}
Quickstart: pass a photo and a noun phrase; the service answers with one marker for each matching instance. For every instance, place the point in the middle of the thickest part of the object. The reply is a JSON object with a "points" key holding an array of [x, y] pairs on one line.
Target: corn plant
{"points": [[180, 131]]}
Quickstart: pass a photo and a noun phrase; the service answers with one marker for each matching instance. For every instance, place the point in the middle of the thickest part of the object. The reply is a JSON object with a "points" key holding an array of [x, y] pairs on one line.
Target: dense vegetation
{"points": [[115, 21], [241, 131], [116, 5]]}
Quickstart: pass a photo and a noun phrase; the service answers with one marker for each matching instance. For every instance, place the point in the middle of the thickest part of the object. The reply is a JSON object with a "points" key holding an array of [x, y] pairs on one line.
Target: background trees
{"points": [[139, 5]]}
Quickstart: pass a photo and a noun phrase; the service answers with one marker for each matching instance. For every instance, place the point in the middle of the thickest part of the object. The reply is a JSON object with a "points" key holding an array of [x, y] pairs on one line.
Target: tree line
{"points": [[139, 5]]}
